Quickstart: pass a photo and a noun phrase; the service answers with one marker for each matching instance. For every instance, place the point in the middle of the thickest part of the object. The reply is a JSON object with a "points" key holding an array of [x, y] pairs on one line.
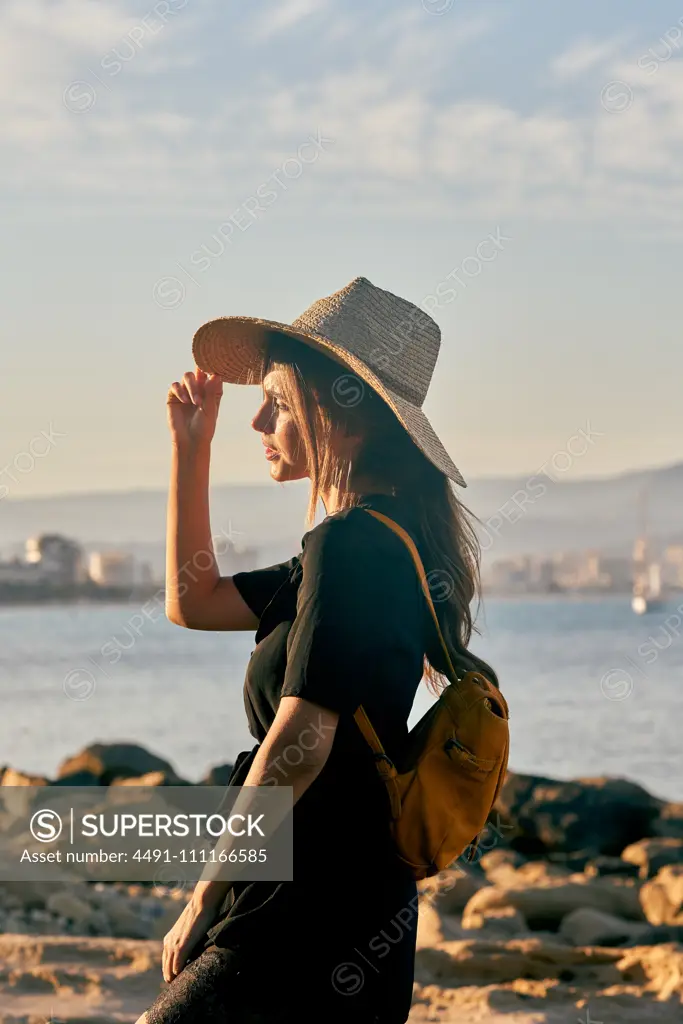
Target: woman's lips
{"points": [[271, 453]]}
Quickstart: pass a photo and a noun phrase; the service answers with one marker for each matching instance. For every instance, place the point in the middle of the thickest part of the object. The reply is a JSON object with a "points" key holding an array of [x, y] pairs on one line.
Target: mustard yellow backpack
{"points": [[455, 762]]}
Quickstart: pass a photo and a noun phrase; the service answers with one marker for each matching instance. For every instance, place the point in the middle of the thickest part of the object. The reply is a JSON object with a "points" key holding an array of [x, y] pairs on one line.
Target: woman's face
{"points": [[282, 444]]}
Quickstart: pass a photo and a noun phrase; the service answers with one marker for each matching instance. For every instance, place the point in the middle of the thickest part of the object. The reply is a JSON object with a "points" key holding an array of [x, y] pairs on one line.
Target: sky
{"points": [[163, 163]]}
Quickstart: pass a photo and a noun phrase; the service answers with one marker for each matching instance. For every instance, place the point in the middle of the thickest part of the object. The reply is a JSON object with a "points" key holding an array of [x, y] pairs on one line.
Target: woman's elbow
{"points": [[174, 616], [180, 617]]}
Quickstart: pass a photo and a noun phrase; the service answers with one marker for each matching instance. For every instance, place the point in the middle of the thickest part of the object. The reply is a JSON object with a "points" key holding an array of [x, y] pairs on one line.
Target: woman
{"points": [[342, 623]]}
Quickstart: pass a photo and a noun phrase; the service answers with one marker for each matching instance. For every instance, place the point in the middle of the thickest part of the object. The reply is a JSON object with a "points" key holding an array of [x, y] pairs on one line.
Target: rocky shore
{"points": [[571, 911]]}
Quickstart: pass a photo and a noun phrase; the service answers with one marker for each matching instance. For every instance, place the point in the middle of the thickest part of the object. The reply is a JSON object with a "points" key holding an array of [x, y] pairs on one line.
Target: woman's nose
{"points": [[260, 419]]}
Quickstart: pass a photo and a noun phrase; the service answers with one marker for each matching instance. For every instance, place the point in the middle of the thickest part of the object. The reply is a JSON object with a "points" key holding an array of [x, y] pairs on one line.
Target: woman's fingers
{"points": [[179, 959], [195, 386], [195, 389], [179, 391], [170, 969], [213, 389]]}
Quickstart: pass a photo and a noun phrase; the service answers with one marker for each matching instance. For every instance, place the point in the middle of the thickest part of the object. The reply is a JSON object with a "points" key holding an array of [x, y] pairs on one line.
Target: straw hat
{"points": [[389, 343]]}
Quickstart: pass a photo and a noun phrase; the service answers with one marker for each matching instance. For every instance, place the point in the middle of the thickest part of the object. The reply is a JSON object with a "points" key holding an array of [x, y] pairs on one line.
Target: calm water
{"points": [[592, 688]]}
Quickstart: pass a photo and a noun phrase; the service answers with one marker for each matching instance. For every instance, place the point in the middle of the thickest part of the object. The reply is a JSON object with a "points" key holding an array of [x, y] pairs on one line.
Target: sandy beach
{"points": [[573, 911]]}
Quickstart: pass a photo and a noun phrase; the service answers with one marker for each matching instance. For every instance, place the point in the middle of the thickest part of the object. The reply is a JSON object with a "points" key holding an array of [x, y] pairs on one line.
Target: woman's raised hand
{"points": [[193, 407]]}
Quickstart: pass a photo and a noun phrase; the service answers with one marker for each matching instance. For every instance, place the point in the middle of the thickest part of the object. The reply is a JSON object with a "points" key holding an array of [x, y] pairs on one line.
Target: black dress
{"points": [[343, 623]]}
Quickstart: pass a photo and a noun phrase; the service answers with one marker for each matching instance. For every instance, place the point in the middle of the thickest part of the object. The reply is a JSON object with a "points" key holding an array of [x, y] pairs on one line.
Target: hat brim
{"points": [[234, 347]]}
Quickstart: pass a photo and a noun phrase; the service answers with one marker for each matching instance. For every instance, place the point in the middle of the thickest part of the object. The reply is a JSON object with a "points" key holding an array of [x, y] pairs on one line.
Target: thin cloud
{"points": [[393, 131], [585, 55], [279, 17]]}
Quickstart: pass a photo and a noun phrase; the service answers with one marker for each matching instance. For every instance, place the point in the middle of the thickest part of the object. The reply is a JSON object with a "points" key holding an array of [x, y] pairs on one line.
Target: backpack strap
{"points": [[410, 544], [385, 766], [494, 693]]}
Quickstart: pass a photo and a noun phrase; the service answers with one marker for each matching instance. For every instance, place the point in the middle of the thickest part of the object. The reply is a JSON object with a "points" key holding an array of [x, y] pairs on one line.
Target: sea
{"points": [[593, 689]]}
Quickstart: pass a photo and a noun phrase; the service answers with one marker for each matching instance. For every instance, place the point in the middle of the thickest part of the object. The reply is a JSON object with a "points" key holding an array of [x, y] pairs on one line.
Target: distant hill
{"points": [[568, 515], [599, 513]]}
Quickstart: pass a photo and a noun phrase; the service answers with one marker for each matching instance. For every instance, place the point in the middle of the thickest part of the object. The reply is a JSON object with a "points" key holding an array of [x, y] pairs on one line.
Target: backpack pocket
{"points": [[467, 759]]}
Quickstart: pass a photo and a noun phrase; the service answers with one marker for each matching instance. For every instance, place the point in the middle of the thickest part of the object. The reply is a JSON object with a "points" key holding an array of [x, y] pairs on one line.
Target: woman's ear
{"points": [[346, 443]]}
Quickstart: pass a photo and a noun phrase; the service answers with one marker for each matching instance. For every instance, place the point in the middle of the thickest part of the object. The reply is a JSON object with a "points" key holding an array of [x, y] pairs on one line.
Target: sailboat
{"points": [[647, 591], [647, 577]]}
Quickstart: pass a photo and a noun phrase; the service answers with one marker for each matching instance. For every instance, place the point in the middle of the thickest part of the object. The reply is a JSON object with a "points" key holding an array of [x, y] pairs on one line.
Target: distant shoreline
{"points": [[574, 595], [21, 595]]}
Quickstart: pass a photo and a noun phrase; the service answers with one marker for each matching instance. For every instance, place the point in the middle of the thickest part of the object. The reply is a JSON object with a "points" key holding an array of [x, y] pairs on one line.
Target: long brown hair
{"points": [[324, 397]]}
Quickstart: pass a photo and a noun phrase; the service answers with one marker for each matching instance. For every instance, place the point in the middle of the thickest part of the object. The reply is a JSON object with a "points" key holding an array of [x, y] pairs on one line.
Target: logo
{"points": [[79, 684], [347, 978], [617, 684], [348, 391], [616, 97], [441, 585], [46, 826]]}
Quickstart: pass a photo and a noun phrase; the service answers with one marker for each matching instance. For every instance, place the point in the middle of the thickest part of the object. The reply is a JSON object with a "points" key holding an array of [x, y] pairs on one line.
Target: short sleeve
{"points": [[358, 634], [257, 587]]}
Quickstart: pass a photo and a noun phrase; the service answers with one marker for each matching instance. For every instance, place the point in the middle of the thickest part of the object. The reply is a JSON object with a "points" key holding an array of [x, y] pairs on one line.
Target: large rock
{"points": [[69, 905], [669, 822], [158, 778], [658, 971], [544, 906], [450, 890], [588, 927], [79, 778], [12, 777], [481, 962], [28, 895], [534, 872], [657, 935], [599, 816], [662, 897], [219, 775], [430, 927], [602, 867], [498, 864], [127, 914], [649, 855], [125, 923], [497, 922], [109, 761]]}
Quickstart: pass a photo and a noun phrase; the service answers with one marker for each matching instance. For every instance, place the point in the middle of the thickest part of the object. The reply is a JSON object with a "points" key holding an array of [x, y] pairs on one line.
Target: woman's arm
{"points": [[300, 726], [197, 596], [293, 753]]}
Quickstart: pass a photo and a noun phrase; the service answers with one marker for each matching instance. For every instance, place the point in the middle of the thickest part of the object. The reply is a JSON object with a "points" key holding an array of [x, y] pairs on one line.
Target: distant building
{"points": [[620, 572], [60, 560], [111, 568], [542, 574], [585, 570], [509, 574], [566, 569], [18, 572], [674, 554], [592, 573], [145, 573], [672, 566]]}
